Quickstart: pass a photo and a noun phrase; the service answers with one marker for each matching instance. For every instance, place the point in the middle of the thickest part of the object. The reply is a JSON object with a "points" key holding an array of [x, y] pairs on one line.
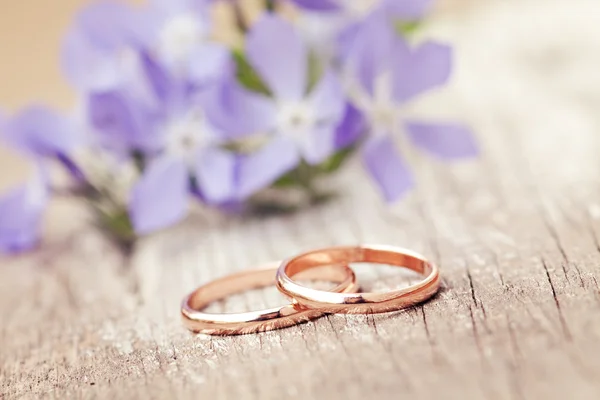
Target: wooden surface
{"points": [[516, 234]]}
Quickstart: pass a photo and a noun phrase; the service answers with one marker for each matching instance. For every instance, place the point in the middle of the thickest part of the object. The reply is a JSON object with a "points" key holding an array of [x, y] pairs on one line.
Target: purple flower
{"points": [[180, 35], [161, 197], [21, 210], [28, 132], [101, 49], [39, 134], [122, 117], [383, 72], [330, 26], [160, 120], [97, 47], [296, 122]]}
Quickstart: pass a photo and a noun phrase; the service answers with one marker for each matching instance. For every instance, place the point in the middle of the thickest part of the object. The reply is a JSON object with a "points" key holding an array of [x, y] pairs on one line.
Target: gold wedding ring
{"points": [[329, 264]]}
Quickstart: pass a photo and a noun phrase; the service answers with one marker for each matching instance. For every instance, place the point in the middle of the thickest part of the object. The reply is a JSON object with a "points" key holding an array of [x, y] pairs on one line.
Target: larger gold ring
{"points": [[347, 303]]}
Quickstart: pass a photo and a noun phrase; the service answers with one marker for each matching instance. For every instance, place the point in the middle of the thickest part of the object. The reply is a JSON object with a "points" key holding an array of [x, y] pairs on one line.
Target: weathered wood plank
{"points": [[515, 233]]}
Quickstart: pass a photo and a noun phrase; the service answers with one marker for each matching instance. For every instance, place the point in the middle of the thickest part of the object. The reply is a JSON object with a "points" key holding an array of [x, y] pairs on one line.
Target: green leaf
{"points": [[301, 176], [246, 74], [407, 28], [304, 174], [334, 162], [119, 224], [115, 223], [286, 181], [270, 5], [315, 69]]}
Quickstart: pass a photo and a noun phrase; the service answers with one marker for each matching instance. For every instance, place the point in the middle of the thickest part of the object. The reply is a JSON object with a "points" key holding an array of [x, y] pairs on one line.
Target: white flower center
{"points": [[382, 118], [295, 118], [179, 35], [185, 135], [379, 108]]}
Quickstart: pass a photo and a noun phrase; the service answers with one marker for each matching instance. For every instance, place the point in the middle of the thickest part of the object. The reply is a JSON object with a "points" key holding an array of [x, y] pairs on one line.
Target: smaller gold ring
{"points": [[256, 321]]}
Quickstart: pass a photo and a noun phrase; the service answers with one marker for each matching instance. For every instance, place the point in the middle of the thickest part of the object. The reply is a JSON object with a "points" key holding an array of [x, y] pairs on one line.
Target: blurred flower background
{"points": [[235, 106]]}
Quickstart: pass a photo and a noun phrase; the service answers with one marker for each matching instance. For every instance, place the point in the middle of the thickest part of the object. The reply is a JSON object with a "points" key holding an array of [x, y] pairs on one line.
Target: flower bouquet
{"points": [[169, 114]]}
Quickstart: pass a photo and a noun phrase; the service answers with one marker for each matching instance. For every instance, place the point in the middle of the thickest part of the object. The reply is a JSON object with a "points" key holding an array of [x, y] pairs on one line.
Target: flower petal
{"points": [[21, 211], [348, 33], [386, 167], [418, 70], [318, 5], [258, 170], [120, 123], [407, 10], [110, 115], [108, 24], [180, 6], [320, 31], [237, 111], [327, 98], [351, 128], [215, 175], [208, 63], [157, 79], [160, 198], [447, 141], [318, 144], [367, 50], [276, 50], [85, 66], [40, 131], [92, 49]]}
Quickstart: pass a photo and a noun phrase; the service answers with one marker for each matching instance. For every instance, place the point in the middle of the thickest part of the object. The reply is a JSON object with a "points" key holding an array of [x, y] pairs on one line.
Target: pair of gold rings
{"points": [[330, 264]]}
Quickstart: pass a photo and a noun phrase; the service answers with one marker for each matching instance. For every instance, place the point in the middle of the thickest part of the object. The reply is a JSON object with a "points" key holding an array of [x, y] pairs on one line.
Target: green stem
{"points": [[305, 176], [270, 5]]}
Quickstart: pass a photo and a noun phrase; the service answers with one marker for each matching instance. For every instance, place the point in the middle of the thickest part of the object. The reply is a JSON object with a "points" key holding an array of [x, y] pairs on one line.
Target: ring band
{"points": [[350, 303], [256, 321]]}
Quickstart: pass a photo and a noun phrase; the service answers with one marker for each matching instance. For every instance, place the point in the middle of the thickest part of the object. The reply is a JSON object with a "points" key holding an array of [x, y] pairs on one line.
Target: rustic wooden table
{"points": [[516, 234]]}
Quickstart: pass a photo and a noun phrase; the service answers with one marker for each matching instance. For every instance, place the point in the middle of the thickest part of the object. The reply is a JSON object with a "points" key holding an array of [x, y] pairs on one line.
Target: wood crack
{"points": [[477, 302], [436, 356], [470, 278], [561, 317], [556, 238], [476, 337]]}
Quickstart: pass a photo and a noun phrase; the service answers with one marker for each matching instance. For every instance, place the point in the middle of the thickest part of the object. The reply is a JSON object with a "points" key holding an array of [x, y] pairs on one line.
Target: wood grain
{"points": [[516, 234]]}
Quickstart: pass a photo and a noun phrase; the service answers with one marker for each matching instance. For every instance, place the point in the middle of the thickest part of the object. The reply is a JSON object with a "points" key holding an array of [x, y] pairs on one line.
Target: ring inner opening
{"points": [[351, 255]]}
